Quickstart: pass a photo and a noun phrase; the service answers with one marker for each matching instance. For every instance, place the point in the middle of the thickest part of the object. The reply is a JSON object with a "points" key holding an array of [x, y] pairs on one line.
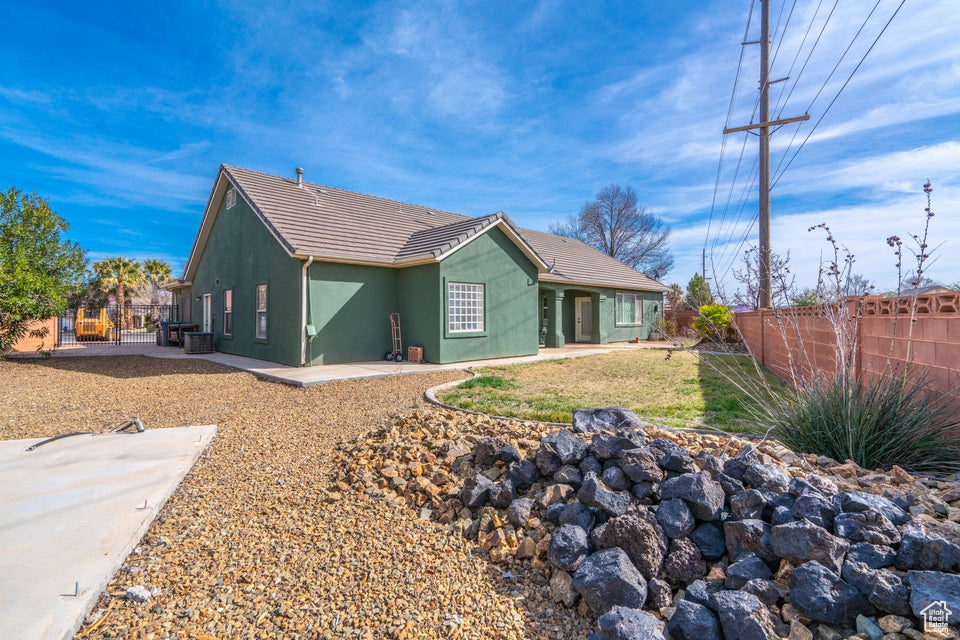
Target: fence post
{"points": [[763, 360], [858, 336]]}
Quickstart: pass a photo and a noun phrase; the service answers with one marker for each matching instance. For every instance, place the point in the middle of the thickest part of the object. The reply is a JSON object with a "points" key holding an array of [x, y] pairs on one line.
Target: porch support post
{"points": [[554, 339], [600, 334]]}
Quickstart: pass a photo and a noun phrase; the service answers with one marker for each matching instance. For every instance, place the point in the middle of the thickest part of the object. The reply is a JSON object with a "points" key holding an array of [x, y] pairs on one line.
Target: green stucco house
{"points": [[303, 274]]}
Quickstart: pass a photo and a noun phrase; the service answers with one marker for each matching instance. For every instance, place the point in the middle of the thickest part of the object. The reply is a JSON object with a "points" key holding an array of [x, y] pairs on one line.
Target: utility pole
{"points": [[764, 126], [764, 225]]}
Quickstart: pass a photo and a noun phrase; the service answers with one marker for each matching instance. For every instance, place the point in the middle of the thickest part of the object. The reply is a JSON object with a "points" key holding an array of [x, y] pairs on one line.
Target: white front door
{"points": [[207, 319], [584, 308]]}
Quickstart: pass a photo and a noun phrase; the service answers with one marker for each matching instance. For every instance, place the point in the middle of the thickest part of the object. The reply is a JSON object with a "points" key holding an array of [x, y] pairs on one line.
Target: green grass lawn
{"points": [[682, 390]]}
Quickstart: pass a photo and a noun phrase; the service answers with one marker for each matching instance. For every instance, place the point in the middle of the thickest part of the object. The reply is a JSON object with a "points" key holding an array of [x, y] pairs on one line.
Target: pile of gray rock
{"points": [[660, 543]]}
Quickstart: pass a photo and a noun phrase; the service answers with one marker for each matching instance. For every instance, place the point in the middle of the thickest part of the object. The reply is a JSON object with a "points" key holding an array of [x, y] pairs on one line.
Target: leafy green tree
{"points": [[38, 268], [157, 272], [121, 276], [698, 292]]}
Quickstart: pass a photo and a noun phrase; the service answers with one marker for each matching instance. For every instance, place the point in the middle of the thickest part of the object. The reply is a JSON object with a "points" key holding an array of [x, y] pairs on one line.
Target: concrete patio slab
{"points": [[70, 513], [309, 376]]}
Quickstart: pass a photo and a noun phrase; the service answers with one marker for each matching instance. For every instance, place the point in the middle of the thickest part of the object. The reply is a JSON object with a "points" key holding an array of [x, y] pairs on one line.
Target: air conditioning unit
{"points": [[197, 342]]}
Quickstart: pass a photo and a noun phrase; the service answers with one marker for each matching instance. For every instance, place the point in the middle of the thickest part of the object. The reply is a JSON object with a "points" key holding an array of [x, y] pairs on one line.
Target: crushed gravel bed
{"points": [[249, 546]]}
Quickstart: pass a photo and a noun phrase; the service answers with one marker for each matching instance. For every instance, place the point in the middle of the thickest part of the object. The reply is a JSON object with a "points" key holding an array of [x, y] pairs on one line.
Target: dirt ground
{"points": [[246, 547]]}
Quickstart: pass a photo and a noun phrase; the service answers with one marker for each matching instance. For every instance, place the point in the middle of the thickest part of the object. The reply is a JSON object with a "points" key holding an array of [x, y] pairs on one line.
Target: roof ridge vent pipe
{"points": [[299, 171]]}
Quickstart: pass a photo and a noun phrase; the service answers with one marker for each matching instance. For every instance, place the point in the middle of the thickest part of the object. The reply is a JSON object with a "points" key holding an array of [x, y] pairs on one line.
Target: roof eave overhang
{"points": [[552, 279], [210, 214], [430, 257], [175, 285], [368, 262]]}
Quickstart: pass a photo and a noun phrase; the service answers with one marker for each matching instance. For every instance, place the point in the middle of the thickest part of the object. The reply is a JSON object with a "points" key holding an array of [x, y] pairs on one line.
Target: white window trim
{"points": [[637, 309], [227, 313], [231, 197], [472, 298], [260, 310]]}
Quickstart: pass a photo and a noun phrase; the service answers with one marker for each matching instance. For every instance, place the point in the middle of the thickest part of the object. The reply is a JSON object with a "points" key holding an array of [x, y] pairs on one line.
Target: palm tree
{"points": [[157, 272], [123, 276], [675, 296]]}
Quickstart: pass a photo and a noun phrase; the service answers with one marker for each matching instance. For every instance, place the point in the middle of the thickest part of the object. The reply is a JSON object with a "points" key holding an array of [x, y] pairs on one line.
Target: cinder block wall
{"points": [[801, 340]]}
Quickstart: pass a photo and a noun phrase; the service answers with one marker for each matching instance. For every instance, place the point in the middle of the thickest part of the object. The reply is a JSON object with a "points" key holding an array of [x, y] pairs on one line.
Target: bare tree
{"points": [[749, 277], [857, 285], [912, 283], [615, 224]]}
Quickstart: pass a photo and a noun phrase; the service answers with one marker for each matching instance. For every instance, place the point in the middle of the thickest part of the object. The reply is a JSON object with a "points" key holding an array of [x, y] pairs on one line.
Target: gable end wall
{"points": [[242, 253]]}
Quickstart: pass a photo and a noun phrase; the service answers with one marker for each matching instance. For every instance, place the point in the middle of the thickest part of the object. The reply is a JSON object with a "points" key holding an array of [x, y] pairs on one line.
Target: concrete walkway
{"points": [[71, 511], [309, 376]]}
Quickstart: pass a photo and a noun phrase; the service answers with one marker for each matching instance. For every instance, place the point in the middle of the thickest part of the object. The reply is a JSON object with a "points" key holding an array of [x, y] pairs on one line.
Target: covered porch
{"points": [[595, 315]]}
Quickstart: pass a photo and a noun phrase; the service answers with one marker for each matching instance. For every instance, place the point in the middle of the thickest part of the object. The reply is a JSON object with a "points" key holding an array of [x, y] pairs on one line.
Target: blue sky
{"points": [[120, 114]]}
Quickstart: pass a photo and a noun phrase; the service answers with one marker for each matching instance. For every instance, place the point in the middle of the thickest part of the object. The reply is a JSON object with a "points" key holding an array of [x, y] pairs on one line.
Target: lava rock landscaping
{"points": [[658, 533]]}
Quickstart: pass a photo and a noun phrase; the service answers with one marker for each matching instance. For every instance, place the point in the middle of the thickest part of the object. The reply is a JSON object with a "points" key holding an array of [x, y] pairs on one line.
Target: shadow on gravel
{"points": [[122, 367]]}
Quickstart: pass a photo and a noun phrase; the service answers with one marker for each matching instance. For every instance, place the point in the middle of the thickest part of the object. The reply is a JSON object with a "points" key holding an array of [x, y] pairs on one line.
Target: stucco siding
{"points": [[420, 312], [350, 307], [240, 254], [511, 325]]}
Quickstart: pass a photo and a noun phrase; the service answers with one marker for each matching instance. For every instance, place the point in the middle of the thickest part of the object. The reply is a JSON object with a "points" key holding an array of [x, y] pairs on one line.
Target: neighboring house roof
{"points": [[922, 291], [343, 226]]}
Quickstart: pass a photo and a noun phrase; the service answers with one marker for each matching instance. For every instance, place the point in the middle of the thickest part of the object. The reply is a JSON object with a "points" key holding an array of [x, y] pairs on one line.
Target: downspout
{"points": [[303, 310]]}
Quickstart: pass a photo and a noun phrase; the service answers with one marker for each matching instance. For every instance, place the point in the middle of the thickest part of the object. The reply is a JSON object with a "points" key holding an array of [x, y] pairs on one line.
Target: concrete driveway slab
{"points": [[70, 513]]}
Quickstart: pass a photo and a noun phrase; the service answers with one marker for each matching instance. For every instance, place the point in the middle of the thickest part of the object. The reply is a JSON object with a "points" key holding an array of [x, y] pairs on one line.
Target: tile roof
{"points": [[575, 262], [333, 224]]}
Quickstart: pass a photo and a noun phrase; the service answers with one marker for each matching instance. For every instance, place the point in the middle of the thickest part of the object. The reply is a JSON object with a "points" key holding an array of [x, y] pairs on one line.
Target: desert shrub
{"points": [[876, 422], [713, 321]]}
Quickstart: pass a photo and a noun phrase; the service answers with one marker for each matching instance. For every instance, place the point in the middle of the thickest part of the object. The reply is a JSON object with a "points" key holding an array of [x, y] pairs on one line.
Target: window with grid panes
{"points": [[629, 308], [465, 307]]}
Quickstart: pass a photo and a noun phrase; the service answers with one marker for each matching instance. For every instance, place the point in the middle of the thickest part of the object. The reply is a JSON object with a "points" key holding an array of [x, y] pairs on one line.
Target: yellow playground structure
{"points": [[89, 328]]}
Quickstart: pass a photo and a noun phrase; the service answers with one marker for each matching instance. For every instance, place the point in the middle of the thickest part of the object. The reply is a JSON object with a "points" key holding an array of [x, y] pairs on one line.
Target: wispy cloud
{"points": [[473, 108]]}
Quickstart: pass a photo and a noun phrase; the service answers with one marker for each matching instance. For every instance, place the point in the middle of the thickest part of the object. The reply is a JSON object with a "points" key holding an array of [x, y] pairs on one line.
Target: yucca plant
{"points": [[876, 418], [877, 422]]}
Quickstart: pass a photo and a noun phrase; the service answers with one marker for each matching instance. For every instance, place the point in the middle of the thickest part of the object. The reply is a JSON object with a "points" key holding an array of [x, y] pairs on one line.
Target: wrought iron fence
{"points": [[137, 324]]}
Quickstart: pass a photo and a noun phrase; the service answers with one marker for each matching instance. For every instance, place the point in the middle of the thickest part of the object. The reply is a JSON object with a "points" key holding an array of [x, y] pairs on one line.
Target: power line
{"points": [[810, 54], [783, 34], [796, 82], [764, 127], [806, 34], [844, 86], [847, 50], [723, 144]]}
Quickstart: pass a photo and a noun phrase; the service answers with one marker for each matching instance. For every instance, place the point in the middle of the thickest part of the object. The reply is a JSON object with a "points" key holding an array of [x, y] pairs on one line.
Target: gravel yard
{"points": [[248, 547]]}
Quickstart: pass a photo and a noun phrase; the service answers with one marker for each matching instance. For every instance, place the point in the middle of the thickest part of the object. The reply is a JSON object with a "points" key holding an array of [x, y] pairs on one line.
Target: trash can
{"points": [[163, 335], [197, 342]]}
